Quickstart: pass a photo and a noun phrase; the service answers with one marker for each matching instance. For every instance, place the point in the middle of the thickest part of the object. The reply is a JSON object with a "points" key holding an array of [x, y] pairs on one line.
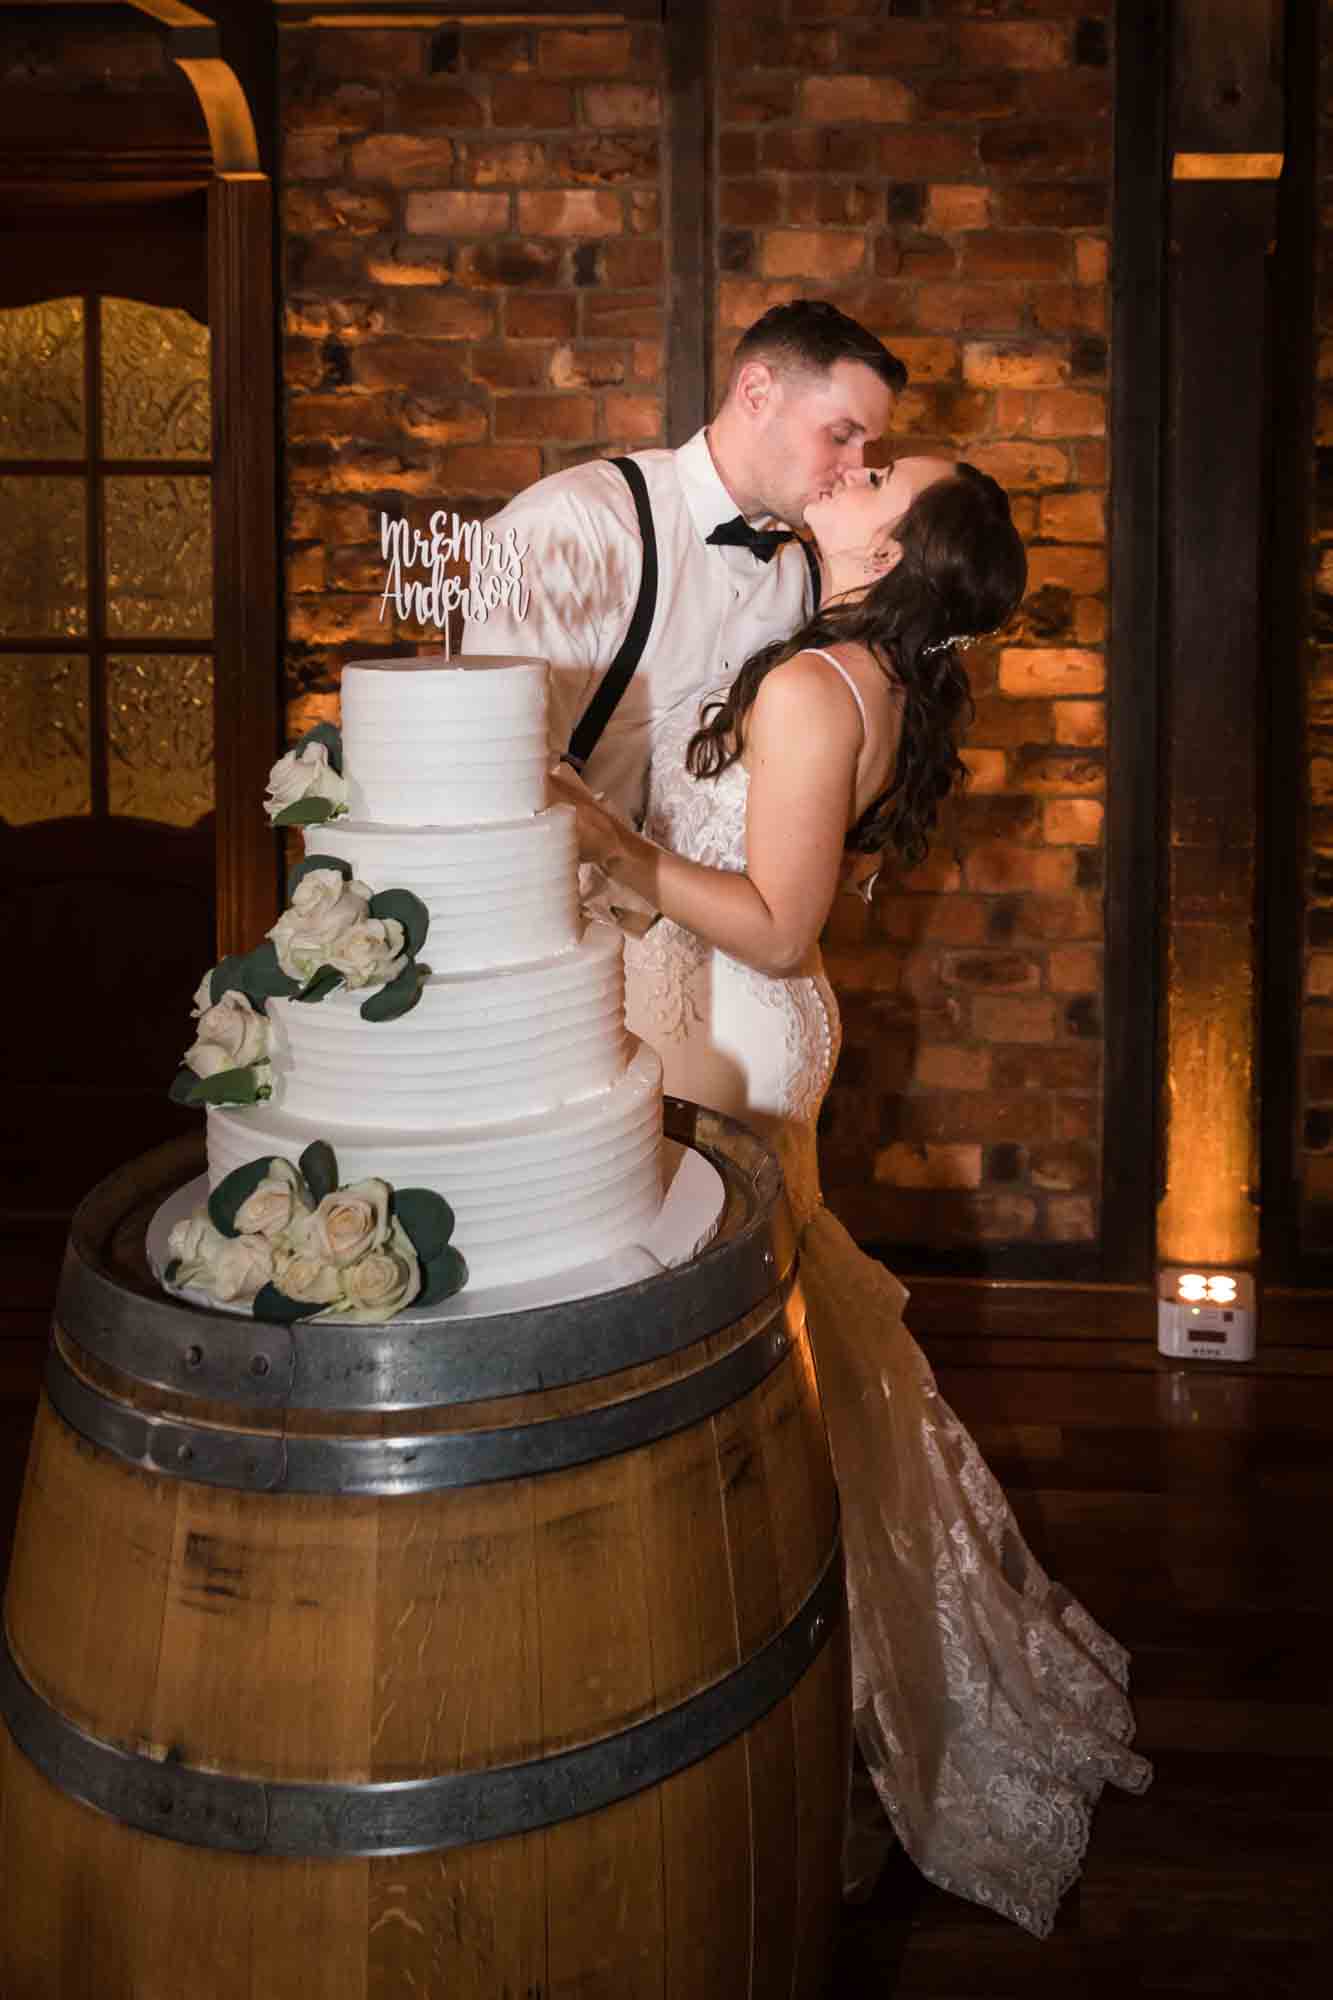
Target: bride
{"points": [[989, 1707]]}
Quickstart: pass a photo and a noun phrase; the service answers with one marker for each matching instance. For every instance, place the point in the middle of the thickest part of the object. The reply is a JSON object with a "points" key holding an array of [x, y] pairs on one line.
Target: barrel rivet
{"points": [[193, 1356], [817, 1624], [259, 1364], [184, 1453]]}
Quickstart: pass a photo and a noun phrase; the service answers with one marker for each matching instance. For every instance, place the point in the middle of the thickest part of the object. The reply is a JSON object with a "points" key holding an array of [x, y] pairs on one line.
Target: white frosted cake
{"points": [[512, 1087]]}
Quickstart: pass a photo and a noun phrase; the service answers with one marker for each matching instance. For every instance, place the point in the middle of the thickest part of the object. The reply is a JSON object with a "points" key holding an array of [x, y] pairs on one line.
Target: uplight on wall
{"points": [[1205, 1315]]}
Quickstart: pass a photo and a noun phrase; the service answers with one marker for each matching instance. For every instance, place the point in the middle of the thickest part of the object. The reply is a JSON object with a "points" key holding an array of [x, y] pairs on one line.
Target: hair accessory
{"points": [[959, 639], [866, 890]]}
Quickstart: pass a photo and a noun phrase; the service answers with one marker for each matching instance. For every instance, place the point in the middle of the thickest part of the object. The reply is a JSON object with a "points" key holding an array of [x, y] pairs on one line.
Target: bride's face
{"points": [[862, 512]]}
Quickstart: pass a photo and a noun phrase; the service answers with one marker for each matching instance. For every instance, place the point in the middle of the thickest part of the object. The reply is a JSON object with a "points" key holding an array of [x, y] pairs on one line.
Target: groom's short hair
{"points": [[809, 336]]}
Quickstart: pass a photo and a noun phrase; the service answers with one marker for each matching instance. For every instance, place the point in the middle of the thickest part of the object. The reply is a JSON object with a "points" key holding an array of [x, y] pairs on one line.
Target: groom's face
{"points": [[816, 432]]}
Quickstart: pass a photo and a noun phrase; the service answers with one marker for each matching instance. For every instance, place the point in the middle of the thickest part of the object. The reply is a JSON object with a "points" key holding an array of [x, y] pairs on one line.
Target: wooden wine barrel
{"points": [[503, 1657]]}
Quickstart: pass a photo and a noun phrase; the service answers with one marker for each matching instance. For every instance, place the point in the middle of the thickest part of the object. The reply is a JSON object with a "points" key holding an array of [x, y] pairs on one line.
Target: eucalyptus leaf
{"points": [[320, 1167], [330, 736], [300, 869], [227, 1086], [386, 1003], [441, 1278], [182, 1086], [427, 1218], [320, 983], [235, 1189], [410, 912], [274, 1306], [307, 812], [256, 974]]}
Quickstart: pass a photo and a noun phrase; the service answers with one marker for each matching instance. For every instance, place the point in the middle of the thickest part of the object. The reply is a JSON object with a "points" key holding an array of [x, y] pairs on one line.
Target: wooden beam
{"points": [[691, 41]]}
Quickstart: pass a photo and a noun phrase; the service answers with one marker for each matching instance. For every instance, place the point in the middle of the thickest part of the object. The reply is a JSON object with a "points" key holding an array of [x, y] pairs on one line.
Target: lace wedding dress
{"points": [[989, 1707]]}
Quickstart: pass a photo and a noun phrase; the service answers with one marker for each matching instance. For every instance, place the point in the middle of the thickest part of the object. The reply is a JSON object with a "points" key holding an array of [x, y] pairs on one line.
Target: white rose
{"points": [[303, 774], [349, 1222], [274, 1202], [193, 1242], [370, 953], [240, 1268], [231, 1035], [323, 907], [203, 998], [309, 1279], [383, 1281]]}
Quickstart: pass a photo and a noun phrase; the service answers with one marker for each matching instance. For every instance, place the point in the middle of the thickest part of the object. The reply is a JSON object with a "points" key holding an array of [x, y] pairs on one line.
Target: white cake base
{"points": [[686, 1222]]}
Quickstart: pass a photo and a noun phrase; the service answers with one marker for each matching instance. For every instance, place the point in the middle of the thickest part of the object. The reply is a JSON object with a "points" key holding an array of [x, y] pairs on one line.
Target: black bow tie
{"points": [[763, 543]]}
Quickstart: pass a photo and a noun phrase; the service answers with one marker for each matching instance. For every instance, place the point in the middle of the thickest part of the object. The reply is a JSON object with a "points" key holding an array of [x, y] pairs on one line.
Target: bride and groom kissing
{"points": [[749, 718]]}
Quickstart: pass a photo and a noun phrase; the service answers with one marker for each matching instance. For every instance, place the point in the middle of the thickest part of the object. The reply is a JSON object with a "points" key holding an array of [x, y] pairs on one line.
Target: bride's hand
{"points": [[600, 832]]}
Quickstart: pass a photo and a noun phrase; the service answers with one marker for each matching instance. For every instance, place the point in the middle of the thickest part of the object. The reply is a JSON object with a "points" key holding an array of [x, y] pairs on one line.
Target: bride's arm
{"points": [[803, 735]]}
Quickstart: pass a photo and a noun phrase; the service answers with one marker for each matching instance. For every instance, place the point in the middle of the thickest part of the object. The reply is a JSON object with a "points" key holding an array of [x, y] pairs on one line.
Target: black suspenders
{"points": [[588, 729]]}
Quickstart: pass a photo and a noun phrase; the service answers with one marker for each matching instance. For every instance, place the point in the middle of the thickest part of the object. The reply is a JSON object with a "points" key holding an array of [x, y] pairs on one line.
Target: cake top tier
{"points": [[436, 742]]}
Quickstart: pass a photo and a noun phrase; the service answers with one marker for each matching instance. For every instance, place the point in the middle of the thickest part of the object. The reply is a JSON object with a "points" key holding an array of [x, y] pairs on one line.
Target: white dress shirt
{"points": [[715, 606]]}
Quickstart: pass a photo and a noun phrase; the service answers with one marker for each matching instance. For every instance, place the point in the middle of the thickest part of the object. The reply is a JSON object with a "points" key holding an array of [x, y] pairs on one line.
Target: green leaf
{"points": [[255, 973], [307, 812], [275, 1306], [427, 1218], [320, 983], [441, 1278], [182, 1086], [386, 1003], [300, 869], [320, 1167], [410, 912], [330, 736], [236, 1188], [227, 1086]]}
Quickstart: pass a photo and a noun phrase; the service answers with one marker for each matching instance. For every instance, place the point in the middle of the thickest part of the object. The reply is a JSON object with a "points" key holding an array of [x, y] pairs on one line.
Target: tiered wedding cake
{"points": [[511, 1088]]}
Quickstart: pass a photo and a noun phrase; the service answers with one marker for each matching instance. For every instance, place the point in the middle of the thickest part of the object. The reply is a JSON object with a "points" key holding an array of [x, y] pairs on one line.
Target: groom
{"points": [[629, 640]]}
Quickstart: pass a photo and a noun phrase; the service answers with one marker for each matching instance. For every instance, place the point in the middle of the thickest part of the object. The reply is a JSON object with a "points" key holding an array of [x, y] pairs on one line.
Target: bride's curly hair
{"points": [[962, 572]]}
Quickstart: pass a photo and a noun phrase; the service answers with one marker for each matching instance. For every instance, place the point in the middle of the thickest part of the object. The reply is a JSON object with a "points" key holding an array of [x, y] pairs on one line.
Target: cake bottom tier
{"points": [[530, 1197]]}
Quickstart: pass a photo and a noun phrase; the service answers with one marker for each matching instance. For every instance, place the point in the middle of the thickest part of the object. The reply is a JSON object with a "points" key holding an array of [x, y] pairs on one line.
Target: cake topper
{"points": [[495, 571]]}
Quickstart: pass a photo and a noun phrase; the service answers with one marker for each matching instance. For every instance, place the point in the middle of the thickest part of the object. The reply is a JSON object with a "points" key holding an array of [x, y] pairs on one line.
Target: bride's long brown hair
{"points": [[962, 572]]}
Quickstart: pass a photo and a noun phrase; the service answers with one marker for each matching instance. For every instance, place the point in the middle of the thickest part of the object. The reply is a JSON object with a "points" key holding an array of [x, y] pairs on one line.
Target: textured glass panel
{"points": [[154, 382], [159, 558], [43, 565], [43, 737], [41, 380], [160, 737]]}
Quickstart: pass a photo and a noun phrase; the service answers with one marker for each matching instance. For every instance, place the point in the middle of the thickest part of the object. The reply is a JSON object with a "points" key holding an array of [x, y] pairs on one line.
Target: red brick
{"points": [[811, 254], [492, 51], [972, 308], [757, 100], [409, 264], [837, 201], [918, 258], [895, 45], [447, 212], [621, 104], [541, 315], [951, 207], [541, 417], [1056, 918], [632, 262], [1022, 464], [340, 263], [621, 316], [634, 420], [1051, 671], [505, 366], [1036, 768], [336, 418], [488, 470], [526, 101], [565, 212], [929, 1166], [591, 52], [742, 300], [994, 365], [988, 1116], [1001, 721], [940, 1066], [998, 865], [332, 521], [748, 202], [402, 160], [586, 367], [331, 621], [1076, 94], [972, 99], [1013, 1020], [442, 314], [1071, 1219], [1016, 253], [1003, 1218], [877, 100], [1092, 260], [1012, 45], [311, 156], [304, 569], [1053, 205], [506, 163], [425, 107], [452, 421], [1073, 517], [1066, 1066], [1072, 822], [1080, 570], [1078, 722], [645, 211], [340, 107], [1069, 413], [987, 770], [1044, 149], [647, 360], [513, 261], [608, 161], [1069, 309], [737, 153], [362, 52], [1075, 970], [1062, 1168], [992, 971], [920, 920], [419, 366]]}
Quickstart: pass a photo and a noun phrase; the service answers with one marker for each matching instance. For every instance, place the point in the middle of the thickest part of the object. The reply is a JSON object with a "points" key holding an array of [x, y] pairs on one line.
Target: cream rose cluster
{"points": [[328, 923], [346, 1255], [306, 773], [229, 1034]]}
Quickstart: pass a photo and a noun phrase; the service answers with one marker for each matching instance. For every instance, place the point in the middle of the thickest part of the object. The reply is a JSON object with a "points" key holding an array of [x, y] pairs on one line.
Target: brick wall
{"points": [[474, 274], [1317, 1067]]}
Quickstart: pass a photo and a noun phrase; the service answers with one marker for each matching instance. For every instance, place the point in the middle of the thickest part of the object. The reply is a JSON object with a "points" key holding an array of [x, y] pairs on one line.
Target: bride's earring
{"points": [[866, 890]]}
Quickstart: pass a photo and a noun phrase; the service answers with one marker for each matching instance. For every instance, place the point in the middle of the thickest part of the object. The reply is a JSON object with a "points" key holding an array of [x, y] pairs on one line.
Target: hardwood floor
{"points": [[1190, 1511]]}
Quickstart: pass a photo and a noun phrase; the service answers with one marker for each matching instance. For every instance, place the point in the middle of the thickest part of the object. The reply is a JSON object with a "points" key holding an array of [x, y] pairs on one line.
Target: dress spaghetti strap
{"points": [[851, 684]]}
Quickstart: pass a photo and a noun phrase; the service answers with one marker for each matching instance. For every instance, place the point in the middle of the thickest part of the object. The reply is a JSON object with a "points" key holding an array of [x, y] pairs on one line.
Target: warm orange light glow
{"points": [[1193, 1286]]}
